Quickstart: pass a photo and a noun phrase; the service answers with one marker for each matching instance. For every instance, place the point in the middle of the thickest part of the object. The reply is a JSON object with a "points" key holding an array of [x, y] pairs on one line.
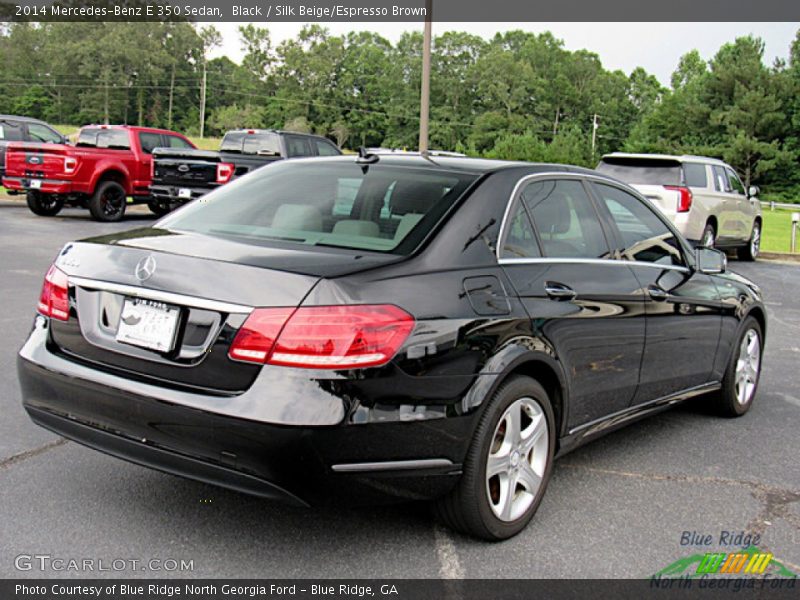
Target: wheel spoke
{"points": [[529, 479], [507, 497], [513, 423], [539, 428], [496, 465]]}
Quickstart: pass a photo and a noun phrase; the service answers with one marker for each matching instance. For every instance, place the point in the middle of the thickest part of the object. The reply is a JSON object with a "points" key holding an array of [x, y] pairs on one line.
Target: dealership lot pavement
{"points": [[615, 508]]}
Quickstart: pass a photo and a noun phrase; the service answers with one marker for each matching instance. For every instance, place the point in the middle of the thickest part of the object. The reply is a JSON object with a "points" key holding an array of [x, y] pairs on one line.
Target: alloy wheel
{"points": [[517, 459], [747, 367], [755, 241]]}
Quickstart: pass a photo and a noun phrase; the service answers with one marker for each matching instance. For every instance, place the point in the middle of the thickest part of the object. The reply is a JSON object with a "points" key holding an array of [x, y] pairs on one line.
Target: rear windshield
{"points": [[97, 137], [320, 203], [263, 143], [642, 171]]}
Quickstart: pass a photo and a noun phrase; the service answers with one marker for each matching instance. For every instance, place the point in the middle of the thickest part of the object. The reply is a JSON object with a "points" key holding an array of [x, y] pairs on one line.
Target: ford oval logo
{"points": [[35, 160], [183, 168], [145, 268]]}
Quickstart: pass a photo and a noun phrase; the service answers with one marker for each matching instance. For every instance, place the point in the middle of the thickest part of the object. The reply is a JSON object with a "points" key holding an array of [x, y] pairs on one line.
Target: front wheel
{"points": [[508, 465], [44, 205], [709, 237], [108, 202], [750, 252], [740, 383]]}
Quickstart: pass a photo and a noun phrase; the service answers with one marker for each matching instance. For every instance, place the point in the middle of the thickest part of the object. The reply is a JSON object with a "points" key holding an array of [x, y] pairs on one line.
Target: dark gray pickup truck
{"points": [[181, 175], [24, 129]]}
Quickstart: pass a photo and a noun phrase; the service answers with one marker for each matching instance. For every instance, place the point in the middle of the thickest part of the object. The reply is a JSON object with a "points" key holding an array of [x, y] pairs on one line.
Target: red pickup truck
{"points": [[107, 164]]}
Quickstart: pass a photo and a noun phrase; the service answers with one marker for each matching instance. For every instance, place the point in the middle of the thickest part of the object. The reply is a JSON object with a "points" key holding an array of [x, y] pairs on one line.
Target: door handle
{"points": [[656, 293], [559, 291]]}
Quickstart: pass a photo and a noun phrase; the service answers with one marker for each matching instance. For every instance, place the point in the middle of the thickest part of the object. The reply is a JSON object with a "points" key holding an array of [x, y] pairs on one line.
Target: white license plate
{"points": [[148, 324], [35, 184], [184, 193]]}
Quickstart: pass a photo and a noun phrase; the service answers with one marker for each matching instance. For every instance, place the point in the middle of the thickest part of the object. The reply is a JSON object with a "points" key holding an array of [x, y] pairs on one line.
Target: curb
{"points": [[780, 256]]}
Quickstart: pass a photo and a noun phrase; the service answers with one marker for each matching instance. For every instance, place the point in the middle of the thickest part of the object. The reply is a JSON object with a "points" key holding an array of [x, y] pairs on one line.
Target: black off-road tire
{"points": [[44, 205], [108, 203]]}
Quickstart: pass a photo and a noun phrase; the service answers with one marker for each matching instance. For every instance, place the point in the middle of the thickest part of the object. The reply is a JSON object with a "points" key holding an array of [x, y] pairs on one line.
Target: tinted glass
{"points": [[39, 133], [115, 139], [178, 142], [149, 141], [642, 171], [734, 183], [297, 146], [10, 131], [259, 142], [330, 204], [721, 183], [565, 218], [326, 148], [644, 235], [694, 175], [520, 239]]}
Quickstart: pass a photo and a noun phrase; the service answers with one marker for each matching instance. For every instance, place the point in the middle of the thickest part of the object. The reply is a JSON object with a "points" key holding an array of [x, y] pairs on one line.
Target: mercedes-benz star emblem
{"points": [[145, 268]]}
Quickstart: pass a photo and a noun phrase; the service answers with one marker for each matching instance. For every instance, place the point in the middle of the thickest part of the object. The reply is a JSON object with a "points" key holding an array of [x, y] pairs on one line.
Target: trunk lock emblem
{"points": [[145, 268]]}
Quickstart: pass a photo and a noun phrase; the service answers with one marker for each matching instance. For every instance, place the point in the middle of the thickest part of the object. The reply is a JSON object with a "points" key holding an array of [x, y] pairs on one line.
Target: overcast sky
{"points": [[654, 46]]}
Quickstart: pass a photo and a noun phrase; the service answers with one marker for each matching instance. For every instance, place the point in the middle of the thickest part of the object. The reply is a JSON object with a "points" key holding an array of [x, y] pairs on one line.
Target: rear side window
{"points": [[42, 133], [97, 137], [694, 175], [149, 141], [10, 131], [252, 142], [565, 218], [520, 241], [642, 171], [381, 209], [297, 146], [645, 237]]}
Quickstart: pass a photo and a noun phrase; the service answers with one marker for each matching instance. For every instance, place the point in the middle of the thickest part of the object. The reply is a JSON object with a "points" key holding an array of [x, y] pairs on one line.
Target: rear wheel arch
{"points": [[114, 175], [551, 380]]}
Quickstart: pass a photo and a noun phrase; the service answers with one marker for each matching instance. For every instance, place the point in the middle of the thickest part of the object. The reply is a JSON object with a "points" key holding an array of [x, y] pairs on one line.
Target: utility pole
{"points": [[425, 96], [594, 133], [203, 100]]}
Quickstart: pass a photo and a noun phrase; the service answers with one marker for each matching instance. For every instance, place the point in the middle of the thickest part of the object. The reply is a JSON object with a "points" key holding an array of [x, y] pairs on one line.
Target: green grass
{"points": [[777, 230]]}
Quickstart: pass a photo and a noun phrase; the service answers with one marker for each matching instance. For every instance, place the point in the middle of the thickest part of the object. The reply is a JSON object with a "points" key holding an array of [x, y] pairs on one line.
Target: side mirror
{"points": [[710, 261], [753, 191]]}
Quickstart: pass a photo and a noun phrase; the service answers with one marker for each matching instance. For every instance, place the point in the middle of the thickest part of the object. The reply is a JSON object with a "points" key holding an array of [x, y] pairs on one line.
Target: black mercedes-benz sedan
{"points": [[372, 327]]}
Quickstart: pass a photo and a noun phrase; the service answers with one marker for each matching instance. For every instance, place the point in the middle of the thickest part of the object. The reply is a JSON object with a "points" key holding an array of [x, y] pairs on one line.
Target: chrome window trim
{"points": [[160, 296], [592, 261]]}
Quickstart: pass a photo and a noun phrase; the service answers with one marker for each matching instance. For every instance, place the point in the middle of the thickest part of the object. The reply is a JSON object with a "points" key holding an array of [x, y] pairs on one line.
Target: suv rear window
{"points": [[263, 143], [381, 209], [643, 171]]}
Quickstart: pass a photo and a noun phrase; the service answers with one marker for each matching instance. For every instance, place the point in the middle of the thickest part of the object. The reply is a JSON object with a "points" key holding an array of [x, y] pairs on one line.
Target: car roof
{"points": [[461, 164], [23, 119], [278, 131], [130, 128], [675, 157]]}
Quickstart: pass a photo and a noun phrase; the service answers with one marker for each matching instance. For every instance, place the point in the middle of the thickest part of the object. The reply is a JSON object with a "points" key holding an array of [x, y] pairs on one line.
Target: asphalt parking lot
{"points": [[615, 508]]}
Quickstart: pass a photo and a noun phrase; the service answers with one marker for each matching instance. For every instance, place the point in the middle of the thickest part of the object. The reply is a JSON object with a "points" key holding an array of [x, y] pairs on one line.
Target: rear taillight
{"points": [[684, 199], [224, 172], [70, 164], [54, 298], [323, 337]]}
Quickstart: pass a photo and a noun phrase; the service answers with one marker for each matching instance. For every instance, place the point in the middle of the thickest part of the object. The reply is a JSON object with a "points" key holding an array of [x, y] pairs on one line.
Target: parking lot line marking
{"points": [[15, 458], [788, 398], [449, 565]]}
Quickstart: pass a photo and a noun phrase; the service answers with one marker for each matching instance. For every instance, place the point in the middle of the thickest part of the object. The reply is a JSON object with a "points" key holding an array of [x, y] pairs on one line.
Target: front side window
{"points": [[644, 236], [721, 182], [382, 209], [178, 142], [566, 220], [325, 148], [734, 182], [520, 240], [40, 133]]}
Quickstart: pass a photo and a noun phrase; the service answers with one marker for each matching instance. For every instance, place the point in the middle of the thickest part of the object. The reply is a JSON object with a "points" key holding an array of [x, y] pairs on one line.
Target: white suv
{"points": [[703, 197]]}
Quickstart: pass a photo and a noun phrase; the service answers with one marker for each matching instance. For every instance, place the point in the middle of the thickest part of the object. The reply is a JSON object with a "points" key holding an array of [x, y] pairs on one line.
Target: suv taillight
{"points": [[70, 164], [54, 298], [323, 337], [224, 172], [685, 198]]}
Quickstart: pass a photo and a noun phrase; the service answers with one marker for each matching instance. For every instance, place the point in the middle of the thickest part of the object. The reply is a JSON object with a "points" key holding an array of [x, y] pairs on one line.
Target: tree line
{"points": [[518, 95]]}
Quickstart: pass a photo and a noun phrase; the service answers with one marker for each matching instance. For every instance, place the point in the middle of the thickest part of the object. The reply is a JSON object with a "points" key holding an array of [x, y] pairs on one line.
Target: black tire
{"points": [[467, 507], [751, 250], [108, 202], [727, 402], [709, 232], [44, 205], [159, 208]]}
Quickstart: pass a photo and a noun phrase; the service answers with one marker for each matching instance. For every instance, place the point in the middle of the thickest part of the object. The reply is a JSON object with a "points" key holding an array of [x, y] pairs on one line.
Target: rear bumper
{"points": [[171, 193], [47, 186], [301, 465]]}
